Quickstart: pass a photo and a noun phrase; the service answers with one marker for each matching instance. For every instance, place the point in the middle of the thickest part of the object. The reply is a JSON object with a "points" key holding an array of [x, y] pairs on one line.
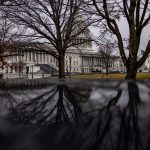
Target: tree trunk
{"points": [[131, 73], [106, 70], [107, 65], [61, 67]]}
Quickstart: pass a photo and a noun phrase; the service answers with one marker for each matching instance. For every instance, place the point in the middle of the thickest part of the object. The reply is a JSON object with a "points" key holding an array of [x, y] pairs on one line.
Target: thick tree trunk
{"points": [[106, 70], [106, 65], [61, 67], [131, 73]]}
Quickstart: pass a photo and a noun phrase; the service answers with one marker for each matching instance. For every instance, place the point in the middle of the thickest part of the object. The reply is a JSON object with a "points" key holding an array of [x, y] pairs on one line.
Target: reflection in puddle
{"points": [[78, 115]]}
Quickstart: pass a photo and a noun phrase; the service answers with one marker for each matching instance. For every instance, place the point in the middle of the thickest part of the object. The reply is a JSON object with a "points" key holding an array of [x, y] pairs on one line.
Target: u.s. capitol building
{"points": [[79, 59]]}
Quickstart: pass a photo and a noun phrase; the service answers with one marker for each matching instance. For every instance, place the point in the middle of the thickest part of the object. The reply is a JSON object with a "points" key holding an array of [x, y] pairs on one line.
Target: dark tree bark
{"points": [[131, 73], [131, 69], [61, 66]]}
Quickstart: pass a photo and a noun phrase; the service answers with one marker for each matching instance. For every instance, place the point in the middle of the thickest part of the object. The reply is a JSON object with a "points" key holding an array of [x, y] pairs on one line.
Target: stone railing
{"points": [[23, 75]]}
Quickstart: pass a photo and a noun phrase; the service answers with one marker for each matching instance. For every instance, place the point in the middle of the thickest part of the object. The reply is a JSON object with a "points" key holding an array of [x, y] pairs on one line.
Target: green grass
{"points": [[140, 76]]}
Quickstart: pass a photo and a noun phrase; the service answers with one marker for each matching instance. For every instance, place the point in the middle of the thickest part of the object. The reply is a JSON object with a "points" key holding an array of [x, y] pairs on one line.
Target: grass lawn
{"points": [[140, 76]]}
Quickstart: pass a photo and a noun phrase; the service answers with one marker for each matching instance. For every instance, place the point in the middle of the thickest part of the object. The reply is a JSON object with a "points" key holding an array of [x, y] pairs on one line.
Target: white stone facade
{"points": [[81, 59], [74, 62]]}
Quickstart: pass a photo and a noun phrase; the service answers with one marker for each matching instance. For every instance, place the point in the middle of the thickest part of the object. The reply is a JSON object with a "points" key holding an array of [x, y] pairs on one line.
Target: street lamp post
{"points": [[27, 71], [70, 65], [32, 71]]}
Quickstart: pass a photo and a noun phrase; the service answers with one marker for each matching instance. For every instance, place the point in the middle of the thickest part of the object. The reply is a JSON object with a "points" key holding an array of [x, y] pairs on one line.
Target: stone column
{"points": [[31, 57]]}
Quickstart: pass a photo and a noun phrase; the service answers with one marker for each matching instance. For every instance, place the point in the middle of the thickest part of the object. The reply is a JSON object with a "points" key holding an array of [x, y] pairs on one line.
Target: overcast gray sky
{"points": [[123, 26], [145, 34]]}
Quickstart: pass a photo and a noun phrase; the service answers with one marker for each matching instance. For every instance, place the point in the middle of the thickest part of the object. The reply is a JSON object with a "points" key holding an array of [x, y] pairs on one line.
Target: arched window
{"points": [[16, 69], [11, 69]]}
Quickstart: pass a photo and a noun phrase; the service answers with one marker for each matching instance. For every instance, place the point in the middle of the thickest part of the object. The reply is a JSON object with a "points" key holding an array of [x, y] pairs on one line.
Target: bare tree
{"points": [[11, 39], [137, 15], [107, 51], [8, 42], [57, 23]]}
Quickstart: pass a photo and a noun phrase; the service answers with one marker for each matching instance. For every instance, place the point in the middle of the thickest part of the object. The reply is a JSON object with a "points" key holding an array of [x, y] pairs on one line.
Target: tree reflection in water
{"points": [[66, 124], [119, 128], [54, 106]]}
